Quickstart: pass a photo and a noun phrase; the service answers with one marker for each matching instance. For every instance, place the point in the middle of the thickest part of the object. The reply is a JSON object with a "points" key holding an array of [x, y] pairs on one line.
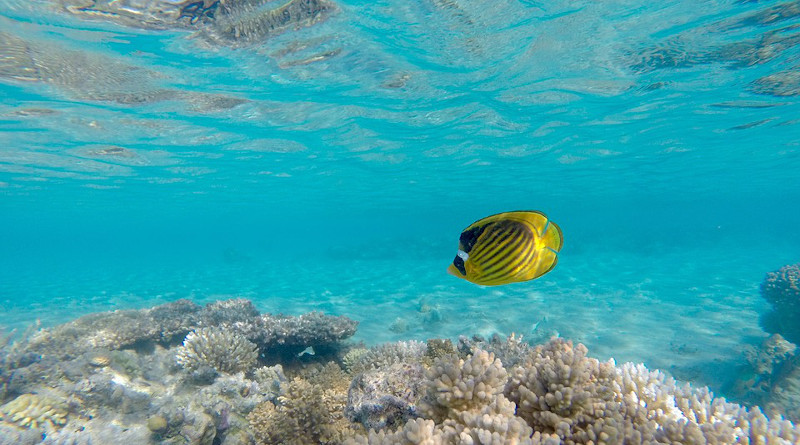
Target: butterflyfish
{"points": [[508, 247]]}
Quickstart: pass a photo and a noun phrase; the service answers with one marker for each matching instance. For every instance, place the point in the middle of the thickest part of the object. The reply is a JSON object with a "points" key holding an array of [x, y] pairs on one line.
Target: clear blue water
{"points": [[332, 167]]}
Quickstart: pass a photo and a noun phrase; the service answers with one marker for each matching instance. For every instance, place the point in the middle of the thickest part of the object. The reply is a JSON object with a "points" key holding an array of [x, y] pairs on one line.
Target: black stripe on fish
{"points": [[488, 242], [513, 257], [518, 262], [491, 246], [515, 234]]}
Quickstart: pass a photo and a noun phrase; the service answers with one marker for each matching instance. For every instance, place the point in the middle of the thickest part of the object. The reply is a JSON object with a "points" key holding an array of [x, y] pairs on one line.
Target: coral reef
{"points": [[11, 434], [171, 322], [126, 386], [119, 379], [465, 404], [781, 288], [218, 349], [312, 329], [116, 330]]}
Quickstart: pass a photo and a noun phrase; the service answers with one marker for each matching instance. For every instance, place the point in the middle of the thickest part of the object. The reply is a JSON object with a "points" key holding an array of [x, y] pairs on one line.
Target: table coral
{"points": [[169, 323]]}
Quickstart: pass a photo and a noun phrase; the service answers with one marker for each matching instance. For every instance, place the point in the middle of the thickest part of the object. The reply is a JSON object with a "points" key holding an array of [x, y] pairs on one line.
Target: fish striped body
{"points": [[507, 248]]}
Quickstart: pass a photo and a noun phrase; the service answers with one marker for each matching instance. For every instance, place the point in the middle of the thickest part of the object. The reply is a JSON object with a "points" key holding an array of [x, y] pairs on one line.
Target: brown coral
{"points": [[32, 411], [782, 288], [304, 414]]}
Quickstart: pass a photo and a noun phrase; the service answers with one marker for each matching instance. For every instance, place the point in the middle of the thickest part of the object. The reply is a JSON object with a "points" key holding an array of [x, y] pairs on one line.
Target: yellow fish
{"points": [[507, 248]]}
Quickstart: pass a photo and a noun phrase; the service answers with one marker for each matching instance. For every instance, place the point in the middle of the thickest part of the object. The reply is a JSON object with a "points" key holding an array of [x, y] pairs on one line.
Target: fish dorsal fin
{"points": [[544, 228]]}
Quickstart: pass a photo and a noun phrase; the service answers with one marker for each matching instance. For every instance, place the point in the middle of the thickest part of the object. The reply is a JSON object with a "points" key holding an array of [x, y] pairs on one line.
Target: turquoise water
{"points": [[331, 165]]}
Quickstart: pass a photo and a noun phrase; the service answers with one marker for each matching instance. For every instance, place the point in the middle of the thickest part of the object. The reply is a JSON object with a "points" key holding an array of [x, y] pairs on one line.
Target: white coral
{"points": [[570, 399], [221, 350], [466, 384]]}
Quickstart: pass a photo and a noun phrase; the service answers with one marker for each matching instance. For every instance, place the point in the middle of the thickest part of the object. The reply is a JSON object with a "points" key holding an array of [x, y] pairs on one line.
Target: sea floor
{"points": [[692, 313]]}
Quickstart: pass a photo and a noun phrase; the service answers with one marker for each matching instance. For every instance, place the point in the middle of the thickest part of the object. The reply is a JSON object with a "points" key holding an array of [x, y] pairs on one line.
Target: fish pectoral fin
{"points": [[545, 262]]}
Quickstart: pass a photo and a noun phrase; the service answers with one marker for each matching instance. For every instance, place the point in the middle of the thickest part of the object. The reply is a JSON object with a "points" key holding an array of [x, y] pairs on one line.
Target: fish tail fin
{"points": [[551, 236]]}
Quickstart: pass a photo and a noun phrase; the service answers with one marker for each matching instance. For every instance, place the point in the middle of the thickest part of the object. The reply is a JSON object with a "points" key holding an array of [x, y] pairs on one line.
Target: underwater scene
{"points": [[229, 222]]}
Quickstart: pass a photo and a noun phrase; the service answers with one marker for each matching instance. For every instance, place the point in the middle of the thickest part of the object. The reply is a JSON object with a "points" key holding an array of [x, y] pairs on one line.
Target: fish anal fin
{"points": [[545, 261]]}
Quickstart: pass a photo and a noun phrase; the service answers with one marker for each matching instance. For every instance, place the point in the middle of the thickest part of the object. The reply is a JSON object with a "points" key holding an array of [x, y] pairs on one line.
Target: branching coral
{"points": [[465, 401], [32, 411], [221, 350], [561, 391], [460, 385], [304, 414], [558, 395], [352, 358]]}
